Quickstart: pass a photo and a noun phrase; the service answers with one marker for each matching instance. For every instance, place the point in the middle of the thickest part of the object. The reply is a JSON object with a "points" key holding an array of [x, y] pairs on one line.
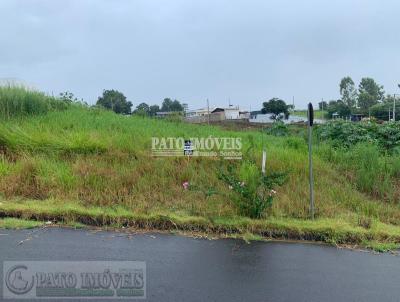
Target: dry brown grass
{"points": [[25, 183]]}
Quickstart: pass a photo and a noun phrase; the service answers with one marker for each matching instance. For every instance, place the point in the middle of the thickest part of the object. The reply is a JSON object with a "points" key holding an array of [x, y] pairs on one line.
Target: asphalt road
{"points": [[187, 269]]}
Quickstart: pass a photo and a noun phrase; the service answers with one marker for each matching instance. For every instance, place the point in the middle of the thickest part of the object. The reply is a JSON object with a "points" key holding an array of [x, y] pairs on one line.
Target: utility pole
{"points": [[322, 108], [208, 112], [293, 103], [264, 153], [394, 105]]}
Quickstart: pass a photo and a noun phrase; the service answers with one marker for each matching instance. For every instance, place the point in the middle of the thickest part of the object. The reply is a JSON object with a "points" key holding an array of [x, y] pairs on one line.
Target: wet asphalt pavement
{"points": [[187, 269]]}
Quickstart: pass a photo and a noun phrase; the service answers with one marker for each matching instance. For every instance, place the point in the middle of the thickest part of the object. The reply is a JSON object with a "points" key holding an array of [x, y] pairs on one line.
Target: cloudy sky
{"points": [[247, 51]]}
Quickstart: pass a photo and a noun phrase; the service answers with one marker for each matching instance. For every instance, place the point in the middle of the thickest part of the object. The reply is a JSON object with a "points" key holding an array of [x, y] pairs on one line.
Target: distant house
{"points": [[163, 114], [244, 115], [185, 107], [253, 114], [216, 114], [356, 117], [269, 118], [198, 112], [231, 113]]}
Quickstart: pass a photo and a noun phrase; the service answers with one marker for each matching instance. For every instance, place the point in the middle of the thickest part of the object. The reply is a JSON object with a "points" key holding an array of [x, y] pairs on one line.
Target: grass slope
{"points": [[94, 167]]}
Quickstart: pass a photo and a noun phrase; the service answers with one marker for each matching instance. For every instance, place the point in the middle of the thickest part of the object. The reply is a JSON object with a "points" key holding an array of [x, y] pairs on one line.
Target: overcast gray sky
{"points": [[248, 51]]}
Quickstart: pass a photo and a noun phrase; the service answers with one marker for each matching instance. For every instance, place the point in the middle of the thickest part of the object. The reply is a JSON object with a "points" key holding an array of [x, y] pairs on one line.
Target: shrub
{"points": [[256, 191], [370, 170], [278, 129], [296, 143], [347, 134], [394, 165]]}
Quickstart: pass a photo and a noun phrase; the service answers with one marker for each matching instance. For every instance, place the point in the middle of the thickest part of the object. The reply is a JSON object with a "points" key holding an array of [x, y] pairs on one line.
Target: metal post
{"points": [[310, 162], [322, 105], [293, 103], [208, 111]]}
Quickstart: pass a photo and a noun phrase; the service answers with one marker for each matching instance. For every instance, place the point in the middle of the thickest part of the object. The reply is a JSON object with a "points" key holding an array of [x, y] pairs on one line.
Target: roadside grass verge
{"points": [[16, 223], [377, 236]]}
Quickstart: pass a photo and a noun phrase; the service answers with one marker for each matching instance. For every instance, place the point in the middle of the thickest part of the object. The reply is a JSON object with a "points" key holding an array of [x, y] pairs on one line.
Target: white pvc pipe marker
{"points": [[264, 159]]}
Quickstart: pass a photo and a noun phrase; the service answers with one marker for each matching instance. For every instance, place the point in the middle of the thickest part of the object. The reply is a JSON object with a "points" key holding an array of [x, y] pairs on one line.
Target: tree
{"points": [[381, 110], [338, 107], [154, 109], [348, 92], [169, 105], [68, 97], [142, 109], [115, 101], [322, 105], [276, 106], [369, 93]]}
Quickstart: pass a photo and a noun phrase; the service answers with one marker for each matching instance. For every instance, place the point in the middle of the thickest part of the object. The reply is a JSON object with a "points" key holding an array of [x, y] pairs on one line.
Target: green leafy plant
{"points": [[347, 134], [255, 190], [278, 129]]}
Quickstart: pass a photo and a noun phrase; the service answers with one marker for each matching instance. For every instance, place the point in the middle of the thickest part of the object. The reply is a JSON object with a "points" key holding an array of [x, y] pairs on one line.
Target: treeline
{"points": [[117, 102], [22, 101], [368, 99], [168, 105]]}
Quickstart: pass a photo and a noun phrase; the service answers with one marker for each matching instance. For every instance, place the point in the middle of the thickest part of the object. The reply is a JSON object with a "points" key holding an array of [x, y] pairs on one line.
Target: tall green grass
{"points": [[95, 158], [21, 101], [367, 167], [99, 158], [79, 163]]}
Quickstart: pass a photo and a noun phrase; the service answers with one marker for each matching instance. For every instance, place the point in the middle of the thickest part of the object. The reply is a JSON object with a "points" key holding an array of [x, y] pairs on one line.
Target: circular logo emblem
{"points": [[15, 281]]}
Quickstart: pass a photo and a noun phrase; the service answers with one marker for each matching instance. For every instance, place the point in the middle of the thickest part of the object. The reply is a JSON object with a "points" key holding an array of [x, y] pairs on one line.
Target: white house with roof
{"points": [[198, 112], [268, 119], [216, 114], [231, 113]]}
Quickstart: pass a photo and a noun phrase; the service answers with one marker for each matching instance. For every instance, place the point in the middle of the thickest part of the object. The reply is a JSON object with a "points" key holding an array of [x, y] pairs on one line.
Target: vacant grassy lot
{"points": [[87, 165], [317, 113]]}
